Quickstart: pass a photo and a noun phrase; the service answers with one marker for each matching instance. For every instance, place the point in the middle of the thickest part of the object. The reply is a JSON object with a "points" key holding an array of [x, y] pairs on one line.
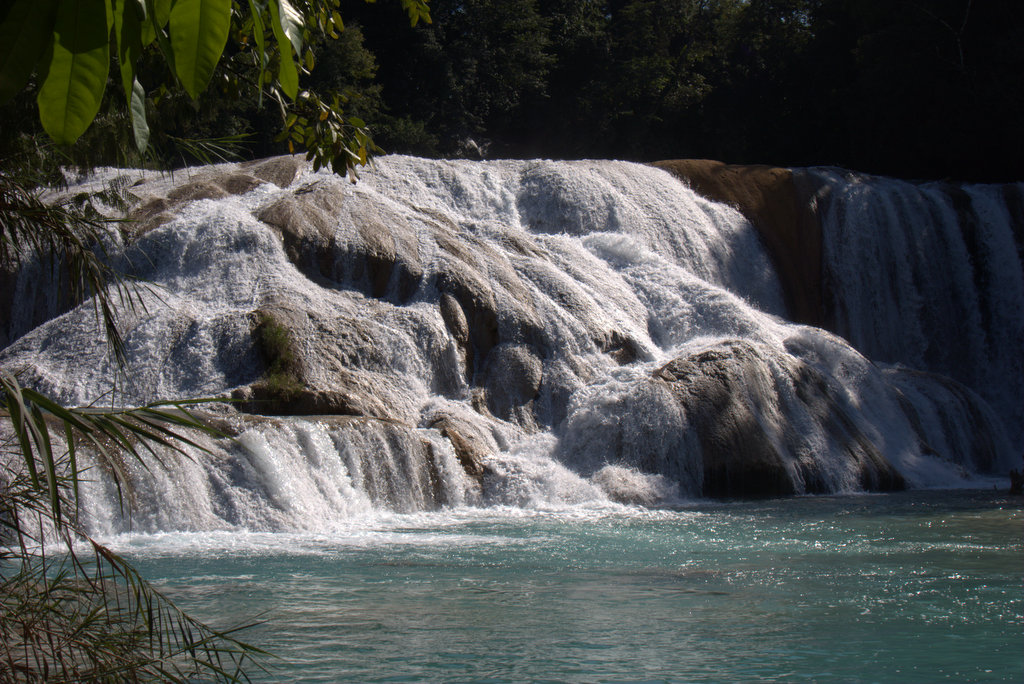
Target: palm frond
{"points": [[210, 150], [88, 615], [72, 239], [112, 432], [68, 615]]}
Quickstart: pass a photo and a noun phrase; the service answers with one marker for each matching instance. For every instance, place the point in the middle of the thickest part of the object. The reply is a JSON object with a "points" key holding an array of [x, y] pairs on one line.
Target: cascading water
{"points": [[929, 276], [530, 333], [286, 476]]}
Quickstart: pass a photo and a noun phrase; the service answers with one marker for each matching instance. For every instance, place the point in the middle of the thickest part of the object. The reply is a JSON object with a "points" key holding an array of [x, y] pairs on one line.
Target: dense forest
{"points": [[916, 89]]}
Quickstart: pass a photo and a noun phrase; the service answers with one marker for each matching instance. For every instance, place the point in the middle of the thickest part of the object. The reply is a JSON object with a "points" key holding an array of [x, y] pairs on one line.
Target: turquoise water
{"points": [[920, 587]]}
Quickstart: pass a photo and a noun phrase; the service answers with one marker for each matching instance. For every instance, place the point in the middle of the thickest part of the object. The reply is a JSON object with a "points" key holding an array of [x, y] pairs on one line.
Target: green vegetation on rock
{"points": [[282, 380]]}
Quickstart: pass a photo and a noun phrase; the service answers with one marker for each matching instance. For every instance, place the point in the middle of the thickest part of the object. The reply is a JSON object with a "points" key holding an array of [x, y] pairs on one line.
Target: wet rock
{"points": [[513, 378], [387, 250], [631, 487], [623, 349], [260, 400], [334, 235], [281, 171], [197, 190], [475, 297], [214, 185], [957, 426], [470, 445], [306, 223], [149, 215], [740, 401], [454, 318]]}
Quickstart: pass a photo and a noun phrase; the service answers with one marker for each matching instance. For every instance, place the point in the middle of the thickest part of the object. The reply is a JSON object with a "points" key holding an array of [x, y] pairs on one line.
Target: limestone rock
{"points": [[739, 398], [775, 201], [257, 399], [513, 379], [306, 224], [470, 445], [454, 318], [281, 171]]}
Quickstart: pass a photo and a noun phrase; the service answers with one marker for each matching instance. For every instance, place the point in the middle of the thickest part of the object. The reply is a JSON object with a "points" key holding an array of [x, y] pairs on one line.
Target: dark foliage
{"points": [[925, 88], [911, 88]]}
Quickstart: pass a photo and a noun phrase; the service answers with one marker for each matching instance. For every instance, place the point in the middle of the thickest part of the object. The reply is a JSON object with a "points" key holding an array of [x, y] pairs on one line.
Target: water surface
{"points": [[923, 586]]}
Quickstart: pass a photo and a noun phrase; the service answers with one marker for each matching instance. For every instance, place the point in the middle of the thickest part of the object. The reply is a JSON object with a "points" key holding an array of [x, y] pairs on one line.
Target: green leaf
{"points": [[199, 32], [14, 403], [261, 45], [161, 12], [137, 107], [157, 13], [152, 28], [291, 22], [25, 35], [45, 448], [416, 9], [72, 92], [128, 31], [69, 439], [288, 75]]}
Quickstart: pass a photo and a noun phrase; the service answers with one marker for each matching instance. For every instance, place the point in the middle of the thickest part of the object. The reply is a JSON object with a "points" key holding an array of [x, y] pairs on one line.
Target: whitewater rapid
{"points": [[528, 334]]}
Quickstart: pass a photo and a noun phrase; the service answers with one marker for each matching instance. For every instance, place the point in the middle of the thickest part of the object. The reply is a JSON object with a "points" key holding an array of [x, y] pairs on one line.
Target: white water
{"points": [[574, 262], [929, 276]]}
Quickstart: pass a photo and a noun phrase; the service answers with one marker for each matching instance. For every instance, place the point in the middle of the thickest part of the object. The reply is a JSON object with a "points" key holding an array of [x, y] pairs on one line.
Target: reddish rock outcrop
{"points": [[774, 200]]}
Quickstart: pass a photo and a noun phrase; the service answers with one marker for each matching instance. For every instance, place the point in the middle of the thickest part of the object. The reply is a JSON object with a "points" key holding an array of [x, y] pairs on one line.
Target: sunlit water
{"points": [[920, 587]]}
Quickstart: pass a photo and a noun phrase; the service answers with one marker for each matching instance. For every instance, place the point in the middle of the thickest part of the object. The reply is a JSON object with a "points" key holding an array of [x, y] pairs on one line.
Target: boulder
{"points": [[470, 446], [745, 403], [513, 377]]}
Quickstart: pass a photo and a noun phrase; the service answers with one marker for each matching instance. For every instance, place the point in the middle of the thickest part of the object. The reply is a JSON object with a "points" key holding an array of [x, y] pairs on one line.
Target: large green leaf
{"points": [[128, 16], [288, 75], [73, 88], [25, 34], [261, 47], [158, 12], [137, 107], [291, 23], [199, 32], [152, 29]]}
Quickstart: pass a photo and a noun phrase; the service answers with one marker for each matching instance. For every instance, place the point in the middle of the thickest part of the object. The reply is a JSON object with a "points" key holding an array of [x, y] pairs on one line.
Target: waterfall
{"points": [[929, 276], [285, 475], [535, 333]]}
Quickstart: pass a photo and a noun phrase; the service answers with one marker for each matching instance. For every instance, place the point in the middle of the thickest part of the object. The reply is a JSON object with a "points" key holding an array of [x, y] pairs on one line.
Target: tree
{"points": [[930, 88], [467, 76], [68, 614], [72, 46]]}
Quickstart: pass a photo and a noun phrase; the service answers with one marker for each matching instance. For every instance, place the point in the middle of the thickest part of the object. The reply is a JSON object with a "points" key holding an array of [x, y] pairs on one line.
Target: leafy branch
{"points": [[70, 44]]}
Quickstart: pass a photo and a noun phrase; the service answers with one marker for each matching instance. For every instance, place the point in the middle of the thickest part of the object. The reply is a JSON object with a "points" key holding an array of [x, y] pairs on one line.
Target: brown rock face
{"points": [[258, 399], [775, 201], [280, 171]]}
